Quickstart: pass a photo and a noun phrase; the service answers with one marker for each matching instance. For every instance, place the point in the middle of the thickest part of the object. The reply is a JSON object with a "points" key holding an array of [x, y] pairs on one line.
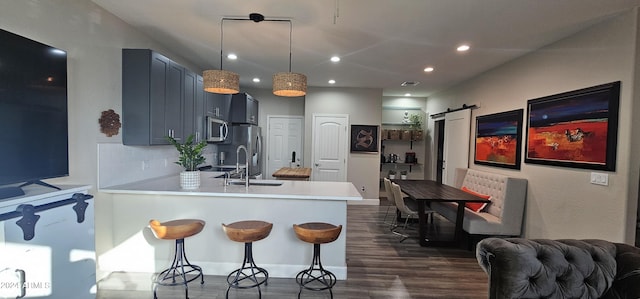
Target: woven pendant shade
{"points": [[221, 81], [289, 84]]}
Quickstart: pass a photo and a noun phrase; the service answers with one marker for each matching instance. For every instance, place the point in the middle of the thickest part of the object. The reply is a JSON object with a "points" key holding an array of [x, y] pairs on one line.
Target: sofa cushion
{"points": [[474, 223]]}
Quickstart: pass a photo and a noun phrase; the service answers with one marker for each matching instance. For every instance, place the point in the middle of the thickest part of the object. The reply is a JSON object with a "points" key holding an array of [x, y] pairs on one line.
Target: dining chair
{"points": [[408, 207], [392, 201]]}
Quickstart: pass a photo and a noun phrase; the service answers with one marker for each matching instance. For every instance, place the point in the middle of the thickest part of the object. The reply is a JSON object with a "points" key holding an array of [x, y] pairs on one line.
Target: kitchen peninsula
{"points": [[282, 203]]}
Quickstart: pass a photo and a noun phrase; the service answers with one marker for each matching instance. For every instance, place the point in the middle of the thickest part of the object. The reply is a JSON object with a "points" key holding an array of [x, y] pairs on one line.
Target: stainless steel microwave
{"points": [[217, 129]]}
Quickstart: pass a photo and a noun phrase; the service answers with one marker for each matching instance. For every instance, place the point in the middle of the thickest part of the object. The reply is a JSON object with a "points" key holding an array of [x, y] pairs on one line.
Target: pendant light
{"points": [[221, 81], [288, 84]]}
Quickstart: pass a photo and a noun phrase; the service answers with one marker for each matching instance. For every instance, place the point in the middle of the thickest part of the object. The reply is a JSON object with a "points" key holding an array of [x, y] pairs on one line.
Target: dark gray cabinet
{"points": [[193, 106], [218, 106], [244, 109], [152, 98], [199, 110]]}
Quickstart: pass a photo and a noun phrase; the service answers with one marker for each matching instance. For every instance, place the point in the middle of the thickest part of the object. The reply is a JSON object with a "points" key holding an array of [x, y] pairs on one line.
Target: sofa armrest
{"points": [[627, 282]]}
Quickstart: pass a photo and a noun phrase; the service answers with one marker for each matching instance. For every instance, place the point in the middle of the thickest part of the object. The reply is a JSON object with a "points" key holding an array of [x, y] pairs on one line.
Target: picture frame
{"points": [[575, 129], [364, 138], [499, 139]]}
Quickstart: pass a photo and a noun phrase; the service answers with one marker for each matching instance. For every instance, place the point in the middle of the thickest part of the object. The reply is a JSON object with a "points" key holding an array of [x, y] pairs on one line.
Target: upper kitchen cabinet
{"points": [[193, 106], [244, 109], [218, 106], [152, 98]]}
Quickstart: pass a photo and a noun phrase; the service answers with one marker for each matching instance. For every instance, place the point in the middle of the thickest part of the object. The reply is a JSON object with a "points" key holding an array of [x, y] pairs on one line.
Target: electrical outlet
{"points": [[598, 178]]}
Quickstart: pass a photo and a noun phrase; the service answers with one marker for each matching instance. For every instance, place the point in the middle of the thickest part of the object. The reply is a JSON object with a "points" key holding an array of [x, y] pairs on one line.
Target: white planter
{"points": [[403, 176], [190, 179], [392, 176]]}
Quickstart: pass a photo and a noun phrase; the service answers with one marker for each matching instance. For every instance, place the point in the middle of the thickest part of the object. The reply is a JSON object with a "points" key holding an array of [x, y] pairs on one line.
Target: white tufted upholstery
{"points": [[503, 216]]}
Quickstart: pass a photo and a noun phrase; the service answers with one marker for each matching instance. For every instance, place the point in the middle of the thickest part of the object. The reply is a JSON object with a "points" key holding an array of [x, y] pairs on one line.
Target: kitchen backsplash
{"points": [[119, 164]]}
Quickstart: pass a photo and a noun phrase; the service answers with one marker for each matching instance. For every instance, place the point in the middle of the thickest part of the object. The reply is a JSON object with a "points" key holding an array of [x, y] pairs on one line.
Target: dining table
{"points": [[427, 191]]}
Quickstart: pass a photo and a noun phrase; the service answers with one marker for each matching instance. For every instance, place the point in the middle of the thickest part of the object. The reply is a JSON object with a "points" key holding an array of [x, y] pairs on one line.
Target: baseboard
{"points": [[365, 201]]}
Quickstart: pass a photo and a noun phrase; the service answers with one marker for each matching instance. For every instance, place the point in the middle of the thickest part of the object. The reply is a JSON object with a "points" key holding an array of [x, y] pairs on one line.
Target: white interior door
{"points": [[329, 148], [457, 133], [284, 137]]}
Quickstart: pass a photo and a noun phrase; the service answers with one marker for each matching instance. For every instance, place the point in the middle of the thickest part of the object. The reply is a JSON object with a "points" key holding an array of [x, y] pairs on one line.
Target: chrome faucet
{"points": [[246, 169]]}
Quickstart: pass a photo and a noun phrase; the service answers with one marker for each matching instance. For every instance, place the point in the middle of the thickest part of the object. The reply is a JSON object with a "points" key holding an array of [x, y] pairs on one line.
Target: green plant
{"points": [[403, 172], [416, 121], [392, 172], [190, 154]]}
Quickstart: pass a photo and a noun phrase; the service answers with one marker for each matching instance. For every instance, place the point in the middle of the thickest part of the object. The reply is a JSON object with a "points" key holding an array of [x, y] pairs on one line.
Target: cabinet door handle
{"points": [[22, 278]]}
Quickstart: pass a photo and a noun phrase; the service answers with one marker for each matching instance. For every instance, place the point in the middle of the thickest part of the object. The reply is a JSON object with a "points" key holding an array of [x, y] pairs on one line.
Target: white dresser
{"points": [[55, 258]]}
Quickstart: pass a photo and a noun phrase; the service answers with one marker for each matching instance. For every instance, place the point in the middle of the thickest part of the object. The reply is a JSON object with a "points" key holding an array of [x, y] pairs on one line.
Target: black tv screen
{"points": [[33, 111]]}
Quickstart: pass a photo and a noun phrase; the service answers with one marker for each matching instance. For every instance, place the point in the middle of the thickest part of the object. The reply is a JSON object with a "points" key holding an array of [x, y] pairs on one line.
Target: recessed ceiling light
{"points": [[58, 52], [407, 94], [232, 56], [429, 69], [332, 81], [463, 48], [335, 59], [256, 80], [409, 83]]}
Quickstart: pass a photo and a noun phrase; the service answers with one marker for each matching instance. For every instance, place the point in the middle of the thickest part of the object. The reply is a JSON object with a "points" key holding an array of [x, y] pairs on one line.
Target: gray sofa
{"points": [[525, 268], [503, 216]]}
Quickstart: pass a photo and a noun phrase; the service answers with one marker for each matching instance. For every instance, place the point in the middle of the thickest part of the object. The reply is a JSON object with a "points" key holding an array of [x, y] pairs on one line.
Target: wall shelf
{"points": [[400, 164]]}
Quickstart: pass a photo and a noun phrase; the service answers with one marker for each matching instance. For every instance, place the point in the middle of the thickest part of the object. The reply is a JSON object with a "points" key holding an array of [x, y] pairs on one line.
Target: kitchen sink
{"points": [[257, 182]]}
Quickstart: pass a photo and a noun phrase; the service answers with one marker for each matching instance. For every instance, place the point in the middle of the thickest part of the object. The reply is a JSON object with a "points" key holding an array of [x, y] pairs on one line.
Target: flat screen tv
{"points": [[33, 111]]}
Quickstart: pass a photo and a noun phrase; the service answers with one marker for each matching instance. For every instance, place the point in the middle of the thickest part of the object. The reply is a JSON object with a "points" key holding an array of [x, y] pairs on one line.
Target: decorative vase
{"points": [[403, 176], [392, 176], [190, 180]]}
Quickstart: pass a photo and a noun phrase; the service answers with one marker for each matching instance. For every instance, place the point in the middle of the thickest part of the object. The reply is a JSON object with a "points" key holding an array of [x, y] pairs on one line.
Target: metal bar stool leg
{"points": [[239, 275], [316, 277]]}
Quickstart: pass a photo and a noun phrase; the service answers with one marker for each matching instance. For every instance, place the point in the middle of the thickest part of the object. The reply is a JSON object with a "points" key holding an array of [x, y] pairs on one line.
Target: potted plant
{"points": [[415, 123], [403, 174], [392, 174], [190, 156]]}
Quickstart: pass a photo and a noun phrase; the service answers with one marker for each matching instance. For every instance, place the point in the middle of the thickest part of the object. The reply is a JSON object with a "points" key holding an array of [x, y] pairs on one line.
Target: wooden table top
{"points": [[434, 191], [288, 172]]}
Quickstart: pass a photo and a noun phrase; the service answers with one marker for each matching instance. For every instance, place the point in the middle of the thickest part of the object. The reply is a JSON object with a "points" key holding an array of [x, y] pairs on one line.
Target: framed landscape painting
{"points": [[575, 129], [364, 138], [499, 139]]}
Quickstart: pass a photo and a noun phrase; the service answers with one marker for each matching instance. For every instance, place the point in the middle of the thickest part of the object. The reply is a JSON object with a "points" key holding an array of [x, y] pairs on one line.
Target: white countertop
{"points": [[211, 186]]}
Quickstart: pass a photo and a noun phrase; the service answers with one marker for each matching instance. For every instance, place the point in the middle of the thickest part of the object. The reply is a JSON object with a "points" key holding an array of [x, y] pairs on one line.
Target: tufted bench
{"points": [[503, 216], [524, 268]]}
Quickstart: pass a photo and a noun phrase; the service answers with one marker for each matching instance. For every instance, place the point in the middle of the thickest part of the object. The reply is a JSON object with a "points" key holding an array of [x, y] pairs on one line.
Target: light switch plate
{"points": [[598, 178]]}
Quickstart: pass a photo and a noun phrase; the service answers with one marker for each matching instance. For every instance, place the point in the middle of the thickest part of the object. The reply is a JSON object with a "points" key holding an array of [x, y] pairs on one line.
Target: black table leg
{"points": [[457, 236], [422, 223]]}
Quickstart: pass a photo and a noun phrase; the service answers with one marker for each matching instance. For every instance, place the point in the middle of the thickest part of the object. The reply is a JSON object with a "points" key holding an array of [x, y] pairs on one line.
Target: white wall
{"points": [[364, 107], [561, 203]]}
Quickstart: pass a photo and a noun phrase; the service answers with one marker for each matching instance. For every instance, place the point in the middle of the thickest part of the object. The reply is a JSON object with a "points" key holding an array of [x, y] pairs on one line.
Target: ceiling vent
{"points": [[409, 83]]}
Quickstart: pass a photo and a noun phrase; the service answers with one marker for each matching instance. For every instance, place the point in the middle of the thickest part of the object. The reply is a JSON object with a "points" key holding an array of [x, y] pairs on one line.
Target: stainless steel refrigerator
{"points": [[249, 136]]}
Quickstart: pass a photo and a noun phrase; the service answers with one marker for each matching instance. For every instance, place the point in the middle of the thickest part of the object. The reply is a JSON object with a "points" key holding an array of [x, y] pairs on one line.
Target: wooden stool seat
{"points": [[176, 229], [317, 232], [180, 268], [247, 231]]}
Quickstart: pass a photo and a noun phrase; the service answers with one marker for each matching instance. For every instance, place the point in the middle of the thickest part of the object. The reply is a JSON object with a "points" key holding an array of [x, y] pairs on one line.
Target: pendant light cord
{"points": [[221, 36], [290, 34]]}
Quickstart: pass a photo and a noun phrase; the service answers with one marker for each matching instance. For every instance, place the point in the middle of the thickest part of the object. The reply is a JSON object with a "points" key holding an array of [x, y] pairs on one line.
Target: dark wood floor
{"points": [[378, 267]]}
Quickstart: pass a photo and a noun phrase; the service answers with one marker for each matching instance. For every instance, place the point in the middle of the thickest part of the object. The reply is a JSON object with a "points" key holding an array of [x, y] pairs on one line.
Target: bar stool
{"points": [[316, 278], [247, 232], [177, 230]]}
